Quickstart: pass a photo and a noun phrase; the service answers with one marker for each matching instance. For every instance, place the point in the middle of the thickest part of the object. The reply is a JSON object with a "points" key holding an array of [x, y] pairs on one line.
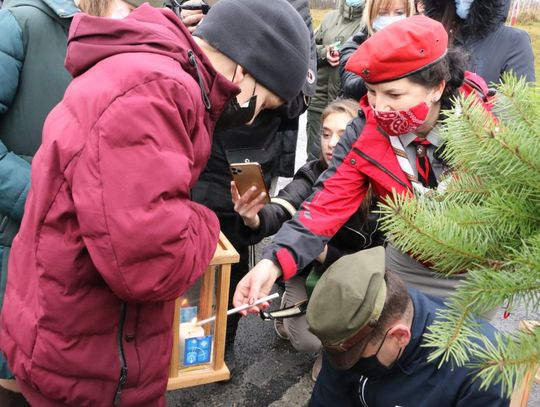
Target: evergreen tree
{"points": [[485, 223]]}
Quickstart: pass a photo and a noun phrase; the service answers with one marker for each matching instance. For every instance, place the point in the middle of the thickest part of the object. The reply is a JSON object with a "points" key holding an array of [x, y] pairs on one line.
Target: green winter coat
{"points": [[33, 42], [338, 25]]}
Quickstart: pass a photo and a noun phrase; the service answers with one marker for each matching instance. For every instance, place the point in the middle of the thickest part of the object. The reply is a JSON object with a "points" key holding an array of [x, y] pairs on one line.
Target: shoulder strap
{"points": [[474, 83]]}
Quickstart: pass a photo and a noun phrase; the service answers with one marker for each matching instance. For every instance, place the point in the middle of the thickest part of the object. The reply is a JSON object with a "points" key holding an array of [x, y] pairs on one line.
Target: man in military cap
{"points": [[372, 331]]}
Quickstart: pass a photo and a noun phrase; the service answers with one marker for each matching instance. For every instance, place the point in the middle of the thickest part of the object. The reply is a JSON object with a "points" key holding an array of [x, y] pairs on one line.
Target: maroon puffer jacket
{"points": [[110, 237]]}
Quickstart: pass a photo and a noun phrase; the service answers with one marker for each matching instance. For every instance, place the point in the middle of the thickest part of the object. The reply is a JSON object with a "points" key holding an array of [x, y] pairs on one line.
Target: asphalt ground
{"points": [[269, 372]]}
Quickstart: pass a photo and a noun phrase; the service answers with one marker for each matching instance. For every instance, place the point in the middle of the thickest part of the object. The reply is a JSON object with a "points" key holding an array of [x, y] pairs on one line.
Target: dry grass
{"points": [[317, 16], [534, 31]]}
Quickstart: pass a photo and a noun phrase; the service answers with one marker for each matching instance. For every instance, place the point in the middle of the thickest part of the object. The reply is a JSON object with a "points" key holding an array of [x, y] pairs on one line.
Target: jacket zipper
{"points": [[123, 365], [193, 62], [380, 166]]}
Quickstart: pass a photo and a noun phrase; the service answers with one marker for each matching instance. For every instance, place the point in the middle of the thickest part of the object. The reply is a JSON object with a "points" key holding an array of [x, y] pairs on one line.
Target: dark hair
{"points": [[484, 17], [445, 13], [396, 305], [451, 68]]}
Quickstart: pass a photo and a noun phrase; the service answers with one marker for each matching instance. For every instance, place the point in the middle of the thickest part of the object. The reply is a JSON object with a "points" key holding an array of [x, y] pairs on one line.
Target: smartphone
{"points": [[247, 175]]}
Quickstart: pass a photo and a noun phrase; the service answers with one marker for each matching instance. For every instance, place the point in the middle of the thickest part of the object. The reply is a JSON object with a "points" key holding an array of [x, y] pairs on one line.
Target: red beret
{"points": [[399, 50]]}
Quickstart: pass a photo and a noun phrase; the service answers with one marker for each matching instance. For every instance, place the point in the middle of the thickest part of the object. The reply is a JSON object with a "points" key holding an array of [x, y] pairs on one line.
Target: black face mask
{"points": [[235, 115], [371, 367]]}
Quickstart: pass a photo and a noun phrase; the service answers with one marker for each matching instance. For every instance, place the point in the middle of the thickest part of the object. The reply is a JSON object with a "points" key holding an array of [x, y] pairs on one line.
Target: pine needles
{"points": [[487, 224]]}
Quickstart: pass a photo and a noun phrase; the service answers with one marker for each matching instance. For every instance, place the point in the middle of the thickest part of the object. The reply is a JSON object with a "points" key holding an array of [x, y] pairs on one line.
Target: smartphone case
{"points": [[246, 175]]}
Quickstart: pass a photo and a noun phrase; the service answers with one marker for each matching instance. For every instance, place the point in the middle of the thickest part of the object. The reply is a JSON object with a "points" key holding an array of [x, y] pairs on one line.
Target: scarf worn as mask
{"points": [[397, 122], [235, 115]]}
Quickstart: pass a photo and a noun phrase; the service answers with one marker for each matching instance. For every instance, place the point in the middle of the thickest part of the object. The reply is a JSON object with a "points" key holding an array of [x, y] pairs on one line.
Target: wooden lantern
{"points": [[211, 293]]}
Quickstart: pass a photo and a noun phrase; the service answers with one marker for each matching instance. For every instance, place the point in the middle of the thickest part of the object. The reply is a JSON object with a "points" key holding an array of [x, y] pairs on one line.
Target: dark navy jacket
{"points": [[413, 382]]}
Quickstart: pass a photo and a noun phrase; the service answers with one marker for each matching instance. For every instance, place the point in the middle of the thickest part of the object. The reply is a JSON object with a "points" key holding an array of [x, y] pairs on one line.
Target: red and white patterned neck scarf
{"points": [[397, 122]]}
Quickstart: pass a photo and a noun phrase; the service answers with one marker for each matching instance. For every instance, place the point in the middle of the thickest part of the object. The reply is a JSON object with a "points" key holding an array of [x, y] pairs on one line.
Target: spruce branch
{"points": [[487, 222], [498, 150], [429, 229], [521, 99], [506, 359]]}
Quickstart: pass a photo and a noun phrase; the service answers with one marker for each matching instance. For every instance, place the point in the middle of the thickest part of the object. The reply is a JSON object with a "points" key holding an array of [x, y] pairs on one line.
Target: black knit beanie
{"points": [[266, 37]]}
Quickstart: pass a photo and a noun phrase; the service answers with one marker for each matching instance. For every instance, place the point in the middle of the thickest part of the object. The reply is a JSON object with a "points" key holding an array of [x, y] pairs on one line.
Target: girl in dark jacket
{"points": [[261, 220]]}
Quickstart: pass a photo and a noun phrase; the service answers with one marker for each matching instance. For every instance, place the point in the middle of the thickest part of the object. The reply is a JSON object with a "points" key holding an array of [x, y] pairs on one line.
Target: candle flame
{"points": [[184, 302]]}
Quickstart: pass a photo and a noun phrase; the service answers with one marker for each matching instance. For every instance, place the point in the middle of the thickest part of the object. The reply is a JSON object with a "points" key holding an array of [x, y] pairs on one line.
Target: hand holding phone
{"points": [[247, 175], [333, 53], [247, 206], [249, 192]]}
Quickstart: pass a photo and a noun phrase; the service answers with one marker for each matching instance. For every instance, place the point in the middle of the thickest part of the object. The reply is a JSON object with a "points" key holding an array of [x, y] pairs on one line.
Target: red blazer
{"points": [[364, 157]]}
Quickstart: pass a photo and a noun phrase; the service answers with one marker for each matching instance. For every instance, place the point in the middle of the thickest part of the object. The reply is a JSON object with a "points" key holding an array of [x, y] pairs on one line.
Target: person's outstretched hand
{"points": [[256, 284]]}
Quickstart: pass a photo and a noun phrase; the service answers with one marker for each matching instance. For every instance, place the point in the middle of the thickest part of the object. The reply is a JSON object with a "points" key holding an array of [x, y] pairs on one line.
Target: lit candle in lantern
{"points": [[188, 330]]}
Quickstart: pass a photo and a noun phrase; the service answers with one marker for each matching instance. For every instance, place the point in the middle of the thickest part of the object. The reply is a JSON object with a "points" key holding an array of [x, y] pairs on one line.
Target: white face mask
{"points": [[355, 3], [463, 7], [382, 21]]}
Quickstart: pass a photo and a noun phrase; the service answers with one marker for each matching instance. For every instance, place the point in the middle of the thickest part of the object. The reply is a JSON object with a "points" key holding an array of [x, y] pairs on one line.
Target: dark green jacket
{"points": [[33, 40], [338, 25]]}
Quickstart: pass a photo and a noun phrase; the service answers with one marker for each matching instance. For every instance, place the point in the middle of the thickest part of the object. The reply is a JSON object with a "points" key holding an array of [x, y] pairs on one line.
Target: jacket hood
{"points": [[485, 16], [146, 29]]}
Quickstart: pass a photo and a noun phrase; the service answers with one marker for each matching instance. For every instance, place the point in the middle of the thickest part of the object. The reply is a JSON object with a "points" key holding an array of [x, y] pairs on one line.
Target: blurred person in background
{"points": [[479, 27], [336, 27], [377, 15]]}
